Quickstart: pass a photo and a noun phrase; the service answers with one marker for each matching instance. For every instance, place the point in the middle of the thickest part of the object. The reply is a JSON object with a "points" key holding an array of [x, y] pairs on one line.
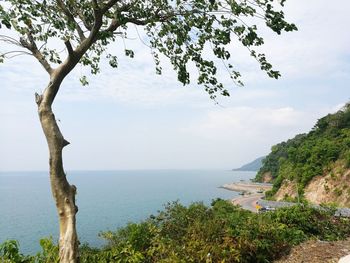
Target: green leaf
{"points": [[129, 53], [83, 81]]}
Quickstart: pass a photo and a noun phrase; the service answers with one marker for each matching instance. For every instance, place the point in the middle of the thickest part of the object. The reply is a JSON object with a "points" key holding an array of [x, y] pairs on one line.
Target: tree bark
{"points": [[62, 191]]}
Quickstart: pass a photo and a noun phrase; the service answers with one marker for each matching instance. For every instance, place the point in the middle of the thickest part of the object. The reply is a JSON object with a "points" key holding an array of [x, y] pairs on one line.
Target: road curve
{"points": [[248, 201]]}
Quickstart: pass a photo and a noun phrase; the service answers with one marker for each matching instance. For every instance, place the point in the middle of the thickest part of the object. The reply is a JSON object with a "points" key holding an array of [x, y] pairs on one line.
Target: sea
{"points": [[107, 200]]}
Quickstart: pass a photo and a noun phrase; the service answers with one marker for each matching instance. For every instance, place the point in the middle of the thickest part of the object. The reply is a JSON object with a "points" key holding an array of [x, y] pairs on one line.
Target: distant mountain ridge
{"points": [[252, 166]]}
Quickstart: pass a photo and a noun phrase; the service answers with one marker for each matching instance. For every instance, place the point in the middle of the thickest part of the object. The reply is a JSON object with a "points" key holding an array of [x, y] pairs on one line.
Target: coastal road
{"points": [[248, 202], [253, 192]]}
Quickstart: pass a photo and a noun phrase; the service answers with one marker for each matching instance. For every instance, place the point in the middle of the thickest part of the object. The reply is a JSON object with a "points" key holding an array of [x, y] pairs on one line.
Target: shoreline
{"points": [[251, 193], [247, 187]]}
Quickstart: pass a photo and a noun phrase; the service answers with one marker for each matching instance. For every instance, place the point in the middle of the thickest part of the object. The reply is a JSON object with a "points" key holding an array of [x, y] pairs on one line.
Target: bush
{"points": [[9, 252], [197, 233]]}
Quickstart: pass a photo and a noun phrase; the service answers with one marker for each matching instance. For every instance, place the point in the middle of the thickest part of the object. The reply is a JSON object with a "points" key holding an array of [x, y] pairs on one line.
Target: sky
{"points": [[131, 118]]}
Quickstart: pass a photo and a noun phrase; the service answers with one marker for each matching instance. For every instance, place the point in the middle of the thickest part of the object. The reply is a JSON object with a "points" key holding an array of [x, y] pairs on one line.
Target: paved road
{"points": [[248, 201]]}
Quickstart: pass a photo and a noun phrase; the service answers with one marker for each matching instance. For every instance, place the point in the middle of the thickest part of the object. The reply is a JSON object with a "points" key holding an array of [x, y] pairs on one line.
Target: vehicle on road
{"points": [[264, 209]]}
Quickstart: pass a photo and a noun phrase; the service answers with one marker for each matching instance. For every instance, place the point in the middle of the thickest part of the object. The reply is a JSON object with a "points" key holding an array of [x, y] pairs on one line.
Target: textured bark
{"points": [[62, 191]]}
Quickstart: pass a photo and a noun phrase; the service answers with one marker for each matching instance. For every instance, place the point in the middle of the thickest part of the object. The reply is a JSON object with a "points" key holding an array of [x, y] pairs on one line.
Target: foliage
{"points": [[49, 252], [182, 31], [9, 252], [312, 154], [197, 233]]}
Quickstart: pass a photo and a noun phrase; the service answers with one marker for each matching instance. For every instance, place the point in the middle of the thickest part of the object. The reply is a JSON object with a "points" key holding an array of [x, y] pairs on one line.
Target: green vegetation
{"points": [[312, 154], [188, 34], [197, 233]]}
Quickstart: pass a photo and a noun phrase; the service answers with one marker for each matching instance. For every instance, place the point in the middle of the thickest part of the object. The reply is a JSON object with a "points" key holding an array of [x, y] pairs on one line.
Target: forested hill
{"points": [[324, 152]]}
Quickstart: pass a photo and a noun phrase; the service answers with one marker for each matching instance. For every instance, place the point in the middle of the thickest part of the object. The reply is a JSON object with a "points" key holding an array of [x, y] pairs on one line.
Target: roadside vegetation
{"points": [[308, 155], [220, 232]]}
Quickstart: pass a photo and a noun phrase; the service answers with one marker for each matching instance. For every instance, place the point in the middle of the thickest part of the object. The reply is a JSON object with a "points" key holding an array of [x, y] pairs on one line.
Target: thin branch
{"points": [[72, 60], [227, 69], [85, 23], [143, 42], [114, 23], [112, 26], [10, 40], [15, 53], [31, 46], [108, 5], [158, 18], [70, 17]]}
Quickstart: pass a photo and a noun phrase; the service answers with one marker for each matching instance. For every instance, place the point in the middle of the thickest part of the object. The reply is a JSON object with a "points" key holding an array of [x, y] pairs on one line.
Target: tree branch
{"points": [[112, 26], [69, 47], [82, 18], [158, 18], [70, 17], [10, 40], [74, 56], [114, 23], [65, 143], [95, 4], [108, 5], [32, 47], [15, 53], [38, 98]]}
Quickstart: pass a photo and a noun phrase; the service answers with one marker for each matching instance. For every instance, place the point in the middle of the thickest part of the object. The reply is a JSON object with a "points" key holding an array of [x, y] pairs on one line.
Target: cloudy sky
{"points": [[131, 118]]}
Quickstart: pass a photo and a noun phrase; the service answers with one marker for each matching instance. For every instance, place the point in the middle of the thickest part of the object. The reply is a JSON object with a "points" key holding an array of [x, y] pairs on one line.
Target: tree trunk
{"points": [[62, 191]]}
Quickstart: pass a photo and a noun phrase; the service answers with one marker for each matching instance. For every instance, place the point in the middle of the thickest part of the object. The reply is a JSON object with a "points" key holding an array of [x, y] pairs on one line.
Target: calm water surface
{"points": [[106, 199]]}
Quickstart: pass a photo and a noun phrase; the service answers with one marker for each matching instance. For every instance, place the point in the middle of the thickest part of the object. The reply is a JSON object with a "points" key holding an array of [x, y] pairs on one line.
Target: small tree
{"points": [[179, 30]]}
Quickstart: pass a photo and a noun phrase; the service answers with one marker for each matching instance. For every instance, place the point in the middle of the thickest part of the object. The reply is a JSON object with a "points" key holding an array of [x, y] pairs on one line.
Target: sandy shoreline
{"points": [[247, 187]]}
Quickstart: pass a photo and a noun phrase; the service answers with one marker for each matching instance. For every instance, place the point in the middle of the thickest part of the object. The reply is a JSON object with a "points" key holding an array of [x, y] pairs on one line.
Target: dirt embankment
{"points": [[315, 251], [287, 189], [266, 177], [332, 187]]}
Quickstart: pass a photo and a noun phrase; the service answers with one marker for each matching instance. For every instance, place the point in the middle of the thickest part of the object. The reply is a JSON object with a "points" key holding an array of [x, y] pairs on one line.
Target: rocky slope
{"points": [[331, 188], [313, 166]]}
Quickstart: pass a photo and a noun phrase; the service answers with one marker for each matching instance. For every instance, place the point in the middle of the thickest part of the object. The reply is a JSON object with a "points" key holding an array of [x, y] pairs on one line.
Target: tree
{"points": [[178, 30]]}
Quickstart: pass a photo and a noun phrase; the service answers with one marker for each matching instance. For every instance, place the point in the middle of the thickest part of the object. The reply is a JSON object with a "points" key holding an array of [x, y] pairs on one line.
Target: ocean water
{"points": [[106, 200]]}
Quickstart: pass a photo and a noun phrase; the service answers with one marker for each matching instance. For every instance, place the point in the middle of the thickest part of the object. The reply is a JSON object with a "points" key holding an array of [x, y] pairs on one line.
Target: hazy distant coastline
{"points": [[253, 166]]}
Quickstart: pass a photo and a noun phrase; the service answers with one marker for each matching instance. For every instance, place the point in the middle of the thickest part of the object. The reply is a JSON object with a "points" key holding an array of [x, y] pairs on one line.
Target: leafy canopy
{"points": [[180, 30]]}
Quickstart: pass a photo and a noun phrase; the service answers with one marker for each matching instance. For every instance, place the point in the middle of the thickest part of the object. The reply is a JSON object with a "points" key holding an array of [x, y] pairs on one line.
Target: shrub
{"points": [[9, 252], [197, 233]]}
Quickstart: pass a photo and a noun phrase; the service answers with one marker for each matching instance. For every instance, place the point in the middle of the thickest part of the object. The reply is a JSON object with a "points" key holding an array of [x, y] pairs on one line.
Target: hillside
{"points": [[315, 166], [252, 166]]}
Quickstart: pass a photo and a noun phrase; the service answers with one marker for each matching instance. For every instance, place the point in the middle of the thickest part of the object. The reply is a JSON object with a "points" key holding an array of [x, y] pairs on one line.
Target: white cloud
{"points": [[248, 132], [315, 69], [315, 51], [246, 122]]}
